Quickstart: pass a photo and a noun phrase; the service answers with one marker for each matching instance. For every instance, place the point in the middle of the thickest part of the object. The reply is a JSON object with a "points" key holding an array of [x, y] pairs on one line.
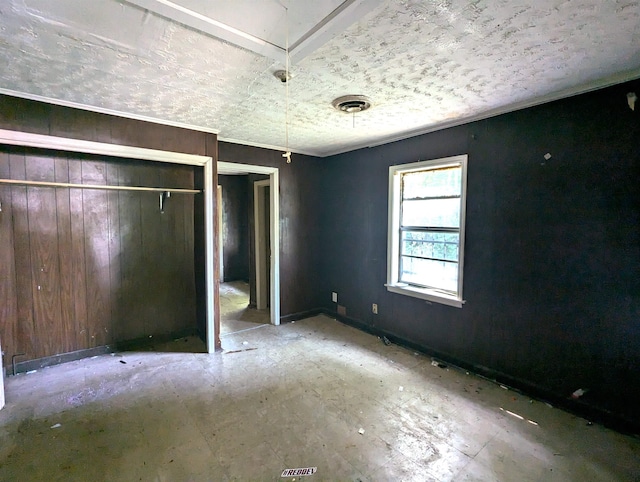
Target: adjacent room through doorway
{"points": [[245, 227]]}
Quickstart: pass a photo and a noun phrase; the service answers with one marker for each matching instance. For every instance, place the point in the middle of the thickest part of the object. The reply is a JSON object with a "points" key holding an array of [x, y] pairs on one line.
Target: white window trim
{"points": [[393, 246]]}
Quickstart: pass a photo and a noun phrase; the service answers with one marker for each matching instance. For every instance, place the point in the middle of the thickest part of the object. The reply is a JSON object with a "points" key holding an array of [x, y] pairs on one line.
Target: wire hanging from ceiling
{"points": [[287, 77]]}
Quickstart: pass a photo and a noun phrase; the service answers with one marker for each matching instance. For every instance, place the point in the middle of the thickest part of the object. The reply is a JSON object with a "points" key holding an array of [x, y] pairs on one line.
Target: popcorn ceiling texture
{"points": [[423, 64]]}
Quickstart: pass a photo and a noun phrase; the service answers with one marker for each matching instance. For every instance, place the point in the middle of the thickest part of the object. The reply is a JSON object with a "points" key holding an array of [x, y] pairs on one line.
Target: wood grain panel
{"points": [[65, 262], [25, 333], [43, 234], [8, 306], [113, 202], [235, 215], [153, 282], [96, 230], [78, 263], [172, 226], [187, 250], [131, 309], [101, 271], [23, 114]]}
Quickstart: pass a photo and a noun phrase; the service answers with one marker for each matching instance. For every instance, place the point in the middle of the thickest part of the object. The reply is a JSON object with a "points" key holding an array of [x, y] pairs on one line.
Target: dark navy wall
{"points": [[552, 256]]}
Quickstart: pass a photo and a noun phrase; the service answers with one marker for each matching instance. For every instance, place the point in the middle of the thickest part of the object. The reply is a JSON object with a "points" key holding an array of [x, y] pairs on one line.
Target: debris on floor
{"points": [[31, 371], [361, 431], [436, 363], [401, 389], [239, 351], [245, 342], [386, 341], [579, 392], [57, 425], [123, 362]]}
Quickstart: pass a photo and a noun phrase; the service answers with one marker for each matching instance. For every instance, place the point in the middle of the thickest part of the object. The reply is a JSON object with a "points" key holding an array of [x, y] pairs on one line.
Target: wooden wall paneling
{"points": [[115, 276], [175, 250], [24, 296], [181, 269], [173, 228], [96, 230], [165, 264], [43, 234], [67, 320], [186, 255], [78, 263], [235, 215], [251, 179], [199, 254], [78, 124], [8, 303], [128, 307], [153, 284], [29, 115], [131, 311]]}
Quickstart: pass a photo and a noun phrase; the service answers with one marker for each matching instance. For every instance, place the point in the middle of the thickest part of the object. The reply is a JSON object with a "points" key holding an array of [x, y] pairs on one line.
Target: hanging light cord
{"points": [[287, 77]]}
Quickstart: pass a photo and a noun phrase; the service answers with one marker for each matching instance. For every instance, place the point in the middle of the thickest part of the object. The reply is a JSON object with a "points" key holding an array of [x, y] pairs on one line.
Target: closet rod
{"points": [[98, 186]]}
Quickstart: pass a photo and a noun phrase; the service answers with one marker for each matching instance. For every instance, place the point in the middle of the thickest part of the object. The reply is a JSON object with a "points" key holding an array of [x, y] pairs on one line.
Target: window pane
{"points": [[432, 212], [430, 244], [432, 183], [425, 272]]}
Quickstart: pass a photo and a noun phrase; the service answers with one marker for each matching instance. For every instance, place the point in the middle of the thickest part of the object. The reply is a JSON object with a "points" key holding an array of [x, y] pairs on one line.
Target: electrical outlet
{"points": [[334, 296], [374, 308]]}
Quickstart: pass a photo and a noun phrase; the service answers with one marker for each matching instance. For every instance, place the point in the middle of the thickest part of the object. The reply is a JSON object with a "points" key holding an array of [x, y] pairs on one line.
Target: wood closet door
{"points": [[43, 270], [44, 324]]}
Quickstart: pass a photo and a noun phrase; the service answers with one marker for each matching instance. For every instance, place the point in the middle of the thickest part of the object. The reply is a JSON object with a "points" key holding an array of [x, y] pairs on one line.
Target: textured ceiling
{"points": [[424, 64]]}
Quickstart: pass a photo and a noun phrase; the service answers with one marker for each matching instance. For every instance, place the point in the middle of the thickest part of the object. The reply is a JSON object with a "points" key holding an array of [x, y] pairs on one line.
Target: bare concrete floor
{"points": [[314, 393], [235, 314]]}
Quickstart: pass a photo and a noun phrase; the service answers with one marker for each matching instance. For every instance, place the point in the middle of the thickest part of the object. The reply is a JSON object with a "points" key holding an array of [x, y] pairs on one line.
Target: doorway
{"points": [[268, 237]]}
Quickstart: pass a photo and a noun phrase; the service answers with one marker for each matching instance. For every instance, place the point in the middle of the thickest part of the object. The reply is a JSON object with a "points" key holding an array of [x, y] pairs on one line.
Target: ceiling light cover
{"points": [[351, 104]]}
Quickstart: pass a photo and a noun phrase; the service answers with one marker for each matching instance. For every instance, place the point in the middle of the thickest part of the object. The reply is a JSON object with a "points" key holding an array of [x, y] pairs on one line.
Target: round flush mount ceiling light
{"points": [[351, 104]]}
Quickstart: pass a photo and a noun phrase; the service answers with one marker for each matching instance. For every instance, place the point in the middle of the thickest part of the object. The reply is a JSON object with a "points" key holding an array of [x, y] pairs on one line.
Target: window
{"points": [[426, 229]]}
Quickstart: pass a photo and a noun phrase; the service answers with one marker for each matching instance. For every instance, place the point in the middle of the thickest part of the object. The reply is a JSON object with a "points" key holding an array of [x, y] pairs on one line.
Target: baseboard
{"points": [[138, 343], [579, 407], [146, 342], [48, 361], [301, 315]]}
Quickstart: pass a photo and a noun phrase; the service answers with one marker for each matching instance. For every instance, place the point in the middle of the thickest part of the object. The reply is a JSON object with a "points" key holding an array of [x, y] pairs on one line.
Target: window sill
{"points": [[426, 294]]}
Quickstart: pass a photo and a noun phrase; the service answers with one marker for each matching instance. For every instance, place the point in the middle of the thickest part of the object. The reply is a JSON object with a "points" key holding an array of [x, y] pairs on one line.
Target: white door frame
{"points": [[1, 379], [26, 139], [258, 217], [220, 232], [274, 213]]}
